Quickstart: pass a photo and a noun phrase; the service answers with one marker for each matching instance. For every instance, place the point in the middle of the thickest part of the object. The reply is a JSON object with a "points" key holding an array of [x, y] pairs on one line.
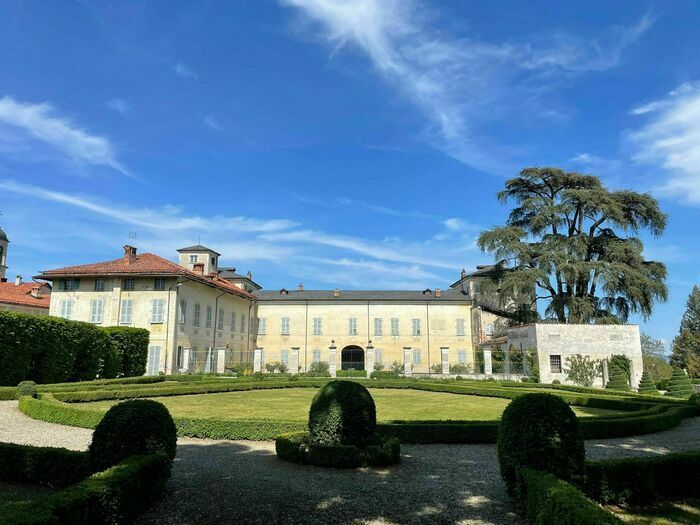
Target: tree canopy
{"points": [[685, 352], [576, 244]]}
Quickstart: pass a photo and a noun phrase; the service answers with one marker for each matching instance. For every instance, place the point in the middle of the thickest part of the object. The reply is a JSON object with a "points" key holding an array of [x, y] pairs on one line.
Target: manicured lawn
{"points": [[293, 404], [16, 492], [680, 513]]}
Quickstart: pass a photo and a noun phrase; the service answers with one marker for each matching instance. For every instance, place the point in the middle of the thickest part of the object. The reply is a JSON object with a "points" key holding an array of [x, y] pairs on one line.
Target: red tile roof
{"points": [[143, 264], [21, 295]]}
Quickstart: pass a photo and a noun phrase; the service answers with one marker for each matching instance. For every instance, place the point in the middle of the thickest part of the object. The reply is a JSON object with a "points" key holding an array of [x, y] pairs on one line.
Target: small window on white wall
{"points": [[96, 309], [318, 327], [126, 311], [316, 356], [352, 326], [378, 326], [262, 326], [460, 327], [555, 364], [242, 323], [284, 326], [378, 356], [416, 327], [462, 357], [183, 311], [66, 308], [284, 357], [157, 310], [489, 329], [416, 356], [193, 259]]}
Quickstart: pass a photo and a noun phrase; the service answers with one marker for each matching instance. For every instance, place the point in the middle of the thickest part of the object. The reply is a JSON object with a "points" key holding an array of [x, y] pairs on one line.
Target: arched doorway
{"points": [[352, 357]]}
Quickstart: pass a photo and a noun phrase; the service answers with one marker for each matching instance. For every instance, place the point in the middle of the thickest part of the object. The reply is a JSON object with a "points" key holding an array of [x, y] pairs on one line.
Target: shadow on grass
{"points": [[239, 482], [672, 513]]}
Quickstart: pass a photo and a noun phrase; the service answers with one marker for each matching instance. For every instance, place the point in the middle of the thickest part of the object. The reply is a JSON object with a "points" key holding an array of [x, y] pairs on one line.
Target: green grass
{"points": [[671, 513], [18, 492], [293, 404]]}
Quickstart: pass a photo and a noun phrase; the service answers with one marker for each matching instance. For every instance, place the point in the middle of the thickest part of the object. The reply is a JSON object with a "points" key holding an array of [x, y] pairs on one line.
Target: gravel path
{"points": [[243, 482]]}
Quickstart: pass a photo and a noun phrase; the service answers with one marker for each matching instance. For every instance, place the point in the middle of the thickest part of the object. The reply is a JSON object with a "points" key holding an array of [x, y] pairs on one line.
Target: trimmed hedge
{"points": [[116, 495], [644, 480], [680, 384], [384, 374], [46, 466], [130, 347], [646, 385], [296, 447], [351, 373], [53, 350], [546, 500], [131, 428], [342, 413], [26, 388], [7, 393], [618, 379], [539, 431]]}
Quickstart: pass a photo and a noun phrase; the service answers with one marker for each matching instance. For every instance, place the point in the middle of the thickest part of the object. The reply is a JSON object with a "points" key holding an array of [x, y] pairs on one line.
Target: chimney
{"points": [[199, 268], [249, 275], [301, 287], [438, 293], [464, 273], [35, 292], [129, 254], [18, 280], [336, 292]]}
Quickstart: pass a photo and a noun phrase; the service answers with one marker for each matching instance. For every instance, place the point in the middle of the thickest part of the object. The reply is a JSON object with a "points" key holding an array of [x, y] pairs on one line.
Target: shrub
{"points": [[378, 367], [556, 382], [26, 388], [460, 369], [130, 348], [134, 427], [539, 431], [381, 374], [695, 400], [46, 466], [617, 379], [397, 367], [533, 367], [319, 367], [623, 363], [296, 447], [436, 368], [582, 370], [680, 385], [342, 413], [646, 385], [351, 373]]}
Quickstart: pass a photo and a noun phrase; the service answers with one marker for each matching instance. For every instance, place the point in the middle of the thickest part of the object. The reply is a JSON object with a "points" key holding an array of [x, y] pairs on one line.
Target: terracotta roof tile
{"points": [[143, 264], [21, 295]]}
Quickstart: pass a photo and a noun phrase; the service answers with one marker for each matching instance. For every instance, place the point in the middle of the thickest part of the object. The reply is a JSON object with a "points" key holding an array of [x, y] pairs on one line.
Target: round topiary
{"points": [[695, 400], [26, 388], [680, 384], [617, 379], [539, 431], [133, 427], [342, 413], [646, 385]]}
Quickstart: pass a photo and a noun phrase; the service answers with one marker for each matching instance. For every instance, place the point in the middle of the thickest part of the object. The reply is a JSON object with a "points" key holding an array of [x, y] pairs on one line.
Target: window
{"points": [[96, 309], [318, 329], [66, 308], [242, 323], [416, 356], [193, 259], [352, 326], [462, 357], [210, 312], [284, 326], [221, 319], [395, 327], [316, 356], [233, 321], [159, 284], [157, 310], [128, 285], [378, 355], [126, 311], [197, 314], [99, 285], [489, 329], [153, 360], [284, 357], [477, 288], [377, 327], [70, 284], [183, 311], [180, 357], [460, 327], [262, 326], [416, 327], [555, 364]]}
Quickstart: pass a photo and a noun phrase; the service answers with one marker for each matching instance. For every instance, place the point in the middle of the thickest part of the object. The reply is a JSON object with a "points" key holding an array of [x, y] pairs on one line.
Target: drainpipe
{"points": [[250, 326], [216, 326], [175, 285]]}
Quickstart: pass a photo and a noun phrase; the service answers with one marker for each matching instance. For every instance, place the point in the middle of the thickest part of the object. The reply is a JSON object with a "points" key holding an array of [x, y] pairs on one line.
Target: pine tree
{"points": [[686, 344], [680, 384], [646, 385], [617, 379]]}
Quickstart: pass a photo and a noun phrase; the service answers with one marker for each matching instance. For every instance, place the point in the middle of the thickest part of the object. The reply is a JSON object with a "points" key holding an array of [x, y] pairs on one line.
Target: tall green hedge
{"points": [[680, 384], [617, 379], [53, 350], [646, 385]]}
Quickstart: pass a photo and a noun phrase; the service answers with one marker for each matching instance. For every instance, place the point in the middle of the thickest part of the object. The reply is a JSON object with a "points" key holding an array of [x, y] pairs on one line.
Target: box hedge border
{"points": [[645, 417], [45, 466]]}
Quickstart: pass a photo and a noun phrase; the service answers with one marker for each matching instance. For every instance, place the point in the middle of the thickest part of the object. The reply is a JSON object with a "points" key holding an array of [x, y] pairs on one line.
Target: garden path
{"points": [[243, 482]]}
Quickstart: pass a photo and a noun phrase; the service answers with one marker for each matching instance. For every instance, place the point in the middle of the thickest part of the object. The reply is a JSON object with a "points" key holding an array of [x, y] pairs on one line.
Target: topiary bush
{"points": [[646, 385], [695, 400], [617, 379], [342, 413], [133, 427], [26, 388], [680, 384], [539, 431], [130, 349]]}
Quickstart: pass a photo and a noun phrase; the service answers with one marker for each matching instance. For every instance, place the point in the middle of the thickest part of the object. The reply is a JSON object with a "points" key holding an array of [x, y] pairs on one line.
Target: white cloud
{"points": [[119, 105], [39, 122], [185, 71], [670, 138], [460, 84], [212, 122]]}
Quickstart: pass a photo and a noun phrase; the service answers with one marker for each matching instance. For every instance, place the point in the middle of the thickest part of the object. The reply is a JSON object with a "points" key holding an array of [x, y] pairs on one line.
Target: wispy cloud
{"points": [[185, 71], [459, 83], [670, 139], [283, 246], [212, 122], [119, 105], [39, 122]]}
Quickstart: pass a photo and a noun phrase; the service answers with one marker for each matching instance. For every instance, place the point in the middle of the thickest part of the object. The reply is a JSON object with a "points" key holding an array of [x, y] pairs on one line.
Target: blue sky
{"points": [[356, 144]]}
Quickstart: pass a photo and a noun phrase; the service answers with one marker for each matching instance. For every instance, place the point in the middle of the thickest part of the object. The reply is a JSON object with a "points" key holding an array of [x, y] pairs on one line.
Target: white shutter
{"points": [[126, 311], [96, 309], [153, 360]]}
